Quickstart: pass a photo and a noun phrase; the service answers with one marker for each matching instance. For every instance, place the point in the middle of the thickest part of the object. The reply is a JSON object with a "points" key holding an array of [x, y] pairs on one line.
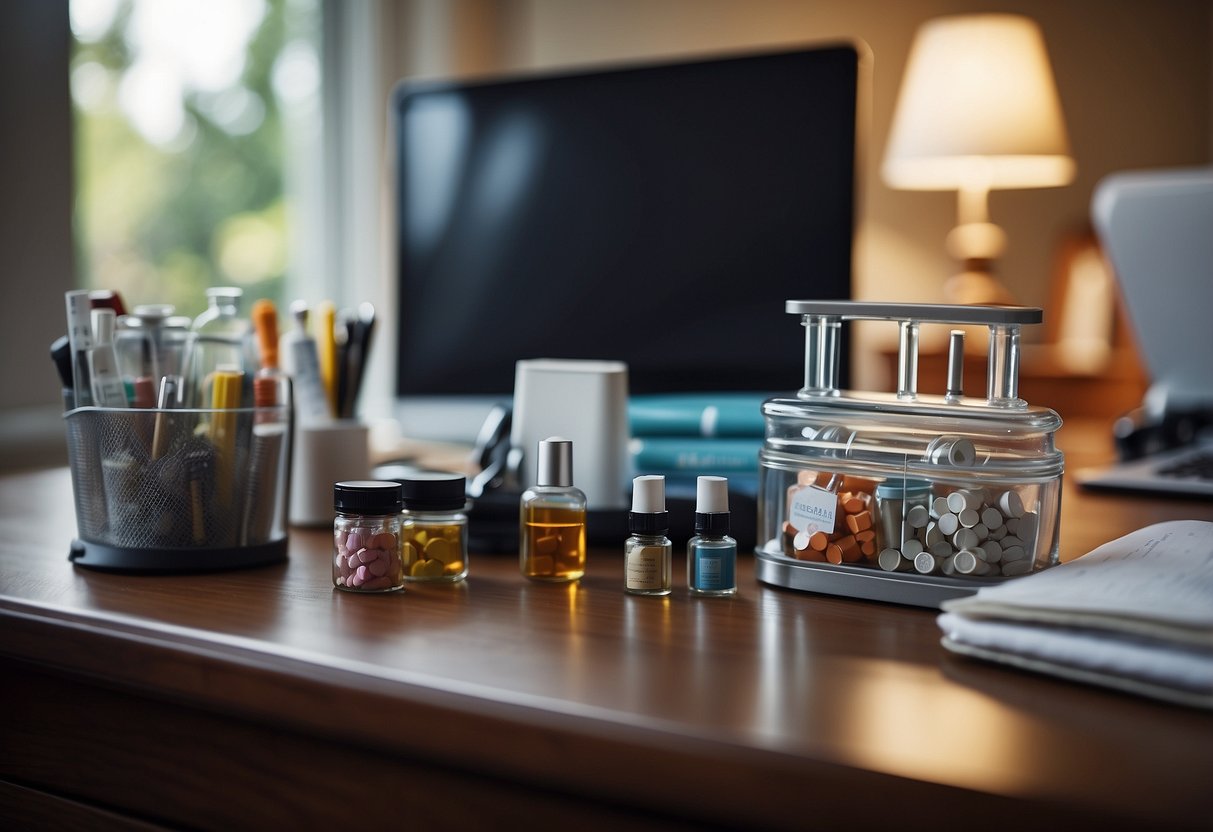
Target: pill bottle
{"points": [[435, 527], [902, 507], [366, 536], [552, 518], [647, 554], [711, 553]]}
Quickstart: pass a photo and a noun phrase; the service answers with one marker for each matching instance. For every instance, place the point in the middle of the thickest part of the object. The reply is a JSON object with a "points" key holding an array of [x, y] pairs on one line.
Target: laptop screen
{"points": [[1157, 229]]}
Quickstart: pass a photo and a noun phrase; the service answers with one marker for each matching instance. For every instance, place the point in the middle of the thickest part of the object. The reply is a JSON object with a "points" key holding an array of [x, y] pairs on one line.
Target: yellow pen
{"points": [[225, 399], [326, 346]]}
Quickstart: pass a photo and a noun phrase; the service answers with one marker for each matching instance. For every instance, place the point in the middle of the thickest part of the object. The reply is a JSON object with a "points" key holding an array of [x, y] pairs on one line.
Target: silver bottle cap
{"points": [[555, 462]]}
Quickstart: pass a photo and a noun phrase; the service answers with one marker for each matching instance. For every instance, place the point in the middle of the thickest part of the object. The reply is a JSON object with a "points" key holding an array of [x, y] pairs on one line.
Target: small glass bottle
{"points": [[552, 518], [221, 338], [711, 553], [366, 536], [435, 527], [648, 553]]}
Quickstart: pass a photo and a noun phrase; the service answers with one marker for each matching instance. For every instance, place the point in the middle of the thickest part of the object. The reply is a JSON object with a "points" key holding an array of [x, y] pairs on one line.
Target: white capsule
{"points": [[956, 502], [964, 539], [965, 562], [969, 518], [910, 548], [998, 533], [925, 563], [992, 517], [918, 517], [932, 534], [890, 560], [1010, 504], [939, 507], [942, 549], [982, 531], [948, 524], [993, 550]]}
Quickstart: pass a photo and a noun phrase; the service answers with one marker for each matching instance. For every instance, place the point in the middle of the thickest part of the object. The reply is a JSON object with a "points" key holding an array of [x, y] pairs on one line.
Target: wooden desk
{"points": [[265, 699]]}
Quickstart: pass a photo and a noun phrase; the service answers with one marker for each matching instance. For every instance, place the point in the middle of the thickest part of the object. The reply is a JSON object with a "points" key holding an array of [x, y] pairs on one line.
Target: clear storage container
{"points": [[907, 497]]}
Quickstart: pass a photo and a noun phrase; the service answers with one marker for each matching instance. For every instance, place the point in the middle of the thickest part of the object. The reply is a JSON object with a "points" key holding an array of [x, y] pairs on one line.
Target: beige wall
{"points": [[1135, 79]]}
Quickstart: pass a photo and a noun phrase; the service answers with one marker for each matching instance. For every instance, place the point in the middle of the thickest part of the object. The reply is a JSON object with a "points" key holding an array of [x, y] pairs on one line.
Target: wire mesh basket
{"points": [[179, 490]]}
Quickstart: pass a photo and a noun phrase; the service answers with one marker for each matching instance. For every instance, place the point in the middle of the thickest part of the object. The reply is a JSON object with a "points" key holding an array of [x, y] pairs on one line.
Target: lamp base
{"points": [[975, 285]]}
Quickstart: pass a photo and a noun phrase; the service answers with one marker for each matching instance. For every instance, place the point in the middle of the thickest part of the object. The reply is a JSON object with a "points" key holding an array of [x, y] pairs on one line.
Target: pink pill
{"points": [[371, 555], [353, 580], [352, 562], [378, 568], [354, 542], [383, 540], [362, 575]]}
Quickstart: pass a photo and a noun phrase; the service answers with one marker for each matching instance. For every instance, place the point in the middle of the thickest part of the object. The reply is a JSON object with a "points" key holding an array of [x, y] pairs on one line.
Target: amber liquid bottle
{"points": [[552, 518]]}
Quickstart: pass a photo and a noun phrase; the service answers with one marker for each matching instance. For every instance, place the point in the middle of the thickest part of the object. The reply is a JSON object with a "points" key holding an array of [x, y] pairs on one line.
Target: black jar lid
{"points": [[367, 496], [434, 491]]}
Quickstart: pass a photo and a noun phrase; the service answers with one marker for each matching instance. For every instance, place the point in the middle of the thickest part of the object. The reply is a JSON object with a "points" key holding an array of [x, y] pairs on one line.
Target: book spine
{"points": [[726, 417], [703, 456]]}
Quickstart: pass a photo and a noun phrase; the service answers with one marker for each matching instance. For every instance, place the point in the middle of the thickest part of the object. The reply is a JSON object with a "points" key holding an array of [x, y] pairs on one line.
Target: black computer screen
{"points": [[658, 215]]}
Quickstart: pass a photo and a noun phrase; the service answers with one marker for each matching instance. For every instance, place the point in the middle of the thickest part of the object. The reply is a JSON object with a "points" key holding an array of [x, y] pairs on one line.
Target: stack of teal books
{"points": [[685, 435]]}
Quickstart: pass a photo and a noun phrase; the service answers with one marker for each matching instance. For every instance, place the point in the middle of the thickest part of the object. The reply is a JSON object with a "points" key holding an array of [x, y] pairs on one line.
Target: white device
{"points": [[587, 402]]}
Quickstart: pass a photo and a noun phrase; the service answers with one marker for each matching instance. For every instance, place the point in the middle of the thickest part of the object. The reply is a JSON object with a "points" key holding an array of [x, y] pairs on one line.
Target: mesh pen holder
{"points": [[179, 490]]}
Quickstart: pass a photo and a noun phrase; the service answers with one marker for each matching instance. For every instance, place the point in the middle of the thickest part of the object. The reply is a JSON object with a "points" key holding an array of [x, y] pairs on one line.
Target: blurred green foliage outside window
{"points": [[189, 115]]}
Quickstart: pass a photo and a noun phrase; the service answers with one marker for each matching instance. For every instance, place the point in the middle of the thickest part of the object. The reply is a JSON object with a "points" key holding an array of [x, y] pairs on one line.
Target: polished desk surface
{"points": [[770, 709]]}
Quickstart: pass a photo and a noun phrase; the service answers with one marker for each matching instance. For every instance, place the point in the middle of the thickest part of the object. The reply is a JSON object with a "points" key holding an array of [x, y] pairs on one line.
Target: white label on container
{"points": [[812, 509], [644, 567]]}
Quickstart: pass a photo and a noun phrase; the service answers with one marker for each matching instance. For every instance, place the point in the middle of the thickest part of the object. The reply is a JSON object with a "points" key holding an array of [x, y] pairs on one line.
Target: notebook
{"points": [[1157, 230]]}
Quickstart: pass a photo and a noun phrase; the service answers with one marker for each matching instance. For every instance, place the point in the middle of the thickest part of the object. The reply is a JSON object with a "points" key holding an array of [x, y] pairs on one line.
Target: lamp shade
{"points": [[978, 109]]}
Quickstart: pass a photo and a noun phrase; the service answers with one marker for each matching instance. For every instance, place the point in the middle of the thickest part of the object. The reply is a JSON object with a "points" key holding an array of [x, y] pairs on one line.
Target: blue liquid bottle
{"points": [[711, 553]]}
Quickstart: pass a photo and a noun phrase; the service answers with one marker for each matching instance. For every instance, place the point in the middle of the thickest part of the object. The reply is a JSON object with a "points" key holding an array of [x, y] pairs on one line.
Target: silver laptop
{"points": [[1157, 230]]}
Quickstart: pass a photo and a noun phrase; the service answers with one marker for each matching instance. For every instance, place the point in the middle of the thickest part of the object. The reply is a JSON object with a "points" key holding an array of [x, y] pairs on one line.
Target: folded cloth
{"points": [[1135, 614]]}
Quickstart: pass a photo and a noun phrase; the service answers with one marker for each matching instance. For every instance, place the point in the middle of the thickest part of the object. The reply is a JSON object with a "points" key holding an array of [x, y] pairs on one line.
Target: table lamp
{"points": [[978, 110]]}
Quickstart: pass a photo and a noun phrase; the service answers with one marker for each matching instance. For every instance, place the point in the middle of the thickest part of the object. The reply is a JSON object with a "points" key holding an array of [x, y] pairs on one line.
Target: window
{"points": [[197, 128]]}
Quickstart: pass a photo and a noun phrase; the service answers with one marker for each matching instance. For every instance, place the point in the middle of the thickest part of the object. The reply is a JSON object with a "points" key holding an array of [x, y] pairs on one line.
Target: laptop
{"points": [[1156, 228]]}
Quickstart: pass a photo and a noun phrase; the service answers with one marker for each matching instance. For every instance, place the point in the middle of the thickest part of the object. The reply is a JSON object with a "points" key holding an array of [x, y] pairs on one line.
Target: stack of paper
{"points": [[1135, 614]]}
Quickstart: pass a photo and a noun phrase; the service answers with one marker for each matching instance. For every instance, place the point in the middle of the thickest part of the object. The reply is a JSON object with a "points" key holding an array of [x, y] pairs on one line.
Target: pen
{"points": [[326, 347], [170, 389], [357, 355]]}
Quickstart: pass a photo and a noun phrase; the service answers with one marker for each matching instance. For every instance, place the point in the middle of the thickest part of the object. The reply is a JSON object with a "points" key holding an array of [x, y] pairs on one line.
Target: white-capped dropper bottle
{"points": [[711, 553], [648, 553]]}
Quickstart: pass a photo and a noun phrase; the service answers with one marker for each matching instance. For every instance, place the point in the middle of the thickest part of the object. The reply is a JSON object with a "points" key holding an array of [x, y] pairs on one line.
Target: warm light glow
{"points": [[978, 109]]}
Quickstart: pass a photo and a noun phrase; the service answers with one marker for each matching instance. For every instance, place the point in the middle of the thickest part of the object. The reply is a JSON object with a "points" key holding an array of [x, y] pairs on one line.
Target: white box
{"points": [[587, 402]]}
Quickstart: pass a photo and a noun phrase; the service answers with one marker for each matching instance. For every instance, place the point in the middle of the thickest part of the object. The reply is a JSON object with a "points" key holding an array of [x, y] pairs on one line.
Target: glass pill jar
{"points": [[366, 536], [435, 527]]}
